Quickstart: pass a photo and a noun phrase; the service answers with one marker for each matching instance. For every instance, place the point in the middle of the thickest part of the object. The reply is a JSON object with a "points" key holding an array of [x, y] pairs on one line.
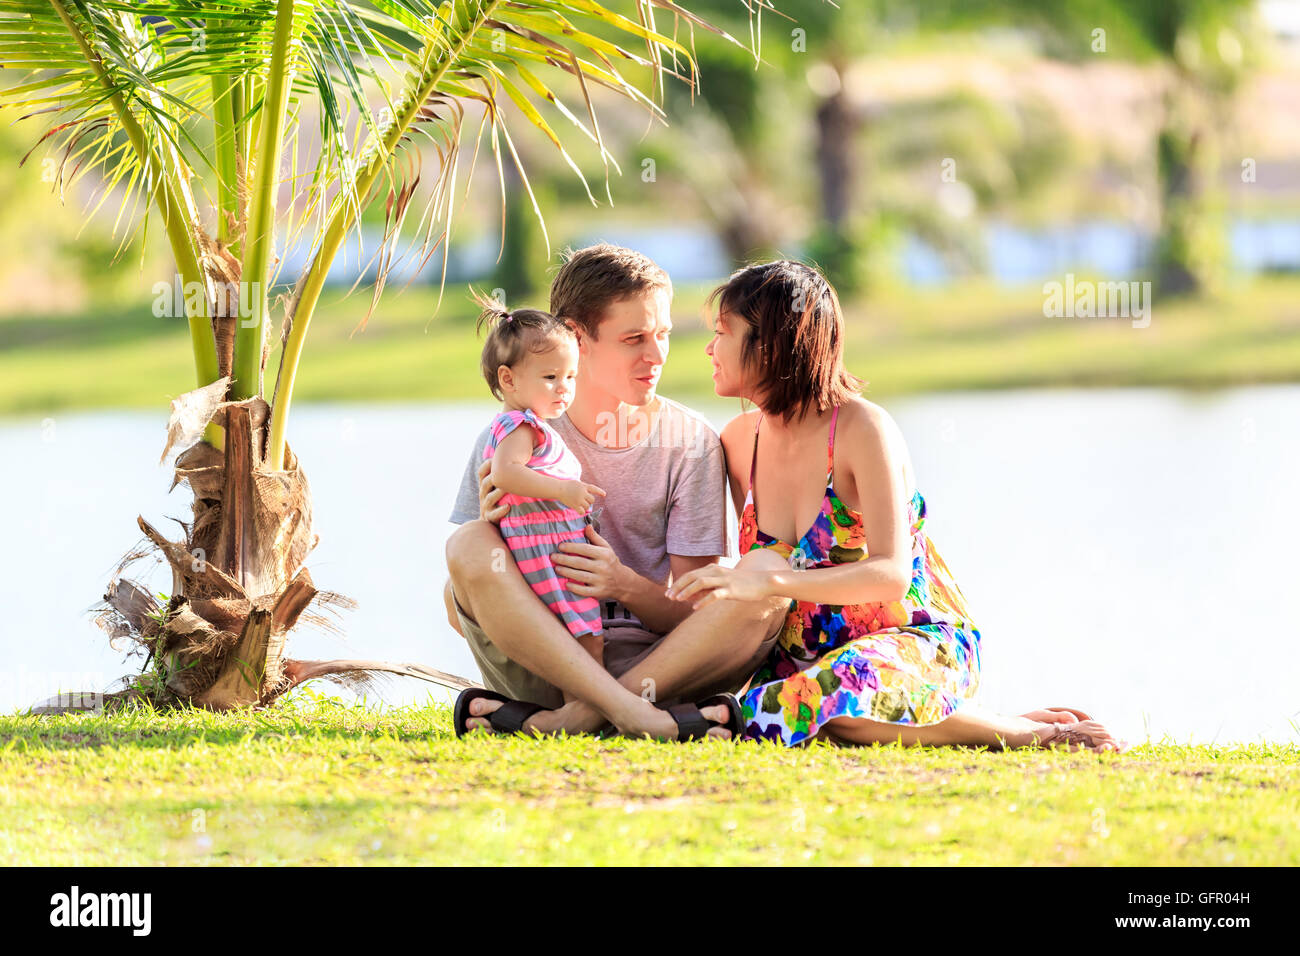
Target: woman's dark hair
{"points": [[794, 339], [511, 334]]}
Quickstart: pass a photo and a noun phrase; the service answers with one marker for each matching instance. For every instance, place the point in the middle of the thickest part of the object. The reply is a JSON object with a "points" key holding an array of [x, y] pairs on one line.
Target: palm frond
{"points": [[372, 75]]}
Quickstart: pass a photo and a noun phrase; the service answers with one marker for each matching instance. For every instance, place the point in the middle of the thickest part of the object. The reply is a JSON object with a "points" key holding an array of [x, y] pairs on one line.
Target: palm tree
{"points": [[177, 100]]}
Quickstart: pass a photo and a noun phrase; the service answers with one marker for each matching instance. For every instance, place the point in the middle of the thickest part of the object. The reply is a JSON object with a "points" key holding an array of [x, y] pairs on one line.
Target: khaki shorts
{"points": [[625, 647]]}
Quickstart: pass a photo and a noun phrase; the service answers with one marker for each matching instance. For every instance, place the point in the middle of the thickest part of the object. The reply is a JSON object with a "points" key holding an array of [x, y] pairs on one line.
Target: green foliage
{"points": [[858, 256], [731, 87], [123, 85]]}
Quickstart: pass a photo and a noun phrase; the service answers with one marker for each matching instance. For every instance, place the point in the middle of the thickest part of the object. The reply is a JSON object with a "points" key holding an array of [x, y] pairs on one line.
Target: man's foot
{"points": [[575, 718], [479, 709], [654, 722]]}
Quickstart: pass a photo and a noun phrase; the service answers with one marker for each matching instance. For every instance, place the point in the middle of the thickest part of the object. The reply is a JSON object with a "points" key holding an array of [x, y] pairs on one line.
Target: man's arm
{"points": [[593, 570], [646, 599], [477, 497]]}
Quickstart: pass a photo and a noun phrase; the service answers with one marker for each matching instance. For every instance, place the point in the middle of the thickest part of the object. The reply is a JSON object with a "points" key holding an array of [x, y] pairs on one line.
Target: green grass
{"points": [[317, 781], [969, 336]]}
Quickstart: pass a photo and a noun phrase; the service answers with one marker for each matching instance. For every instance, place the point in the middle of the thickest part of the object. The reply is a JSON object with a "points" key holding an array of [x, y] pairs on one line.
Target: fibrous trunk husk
{"points": [[239, 585]]}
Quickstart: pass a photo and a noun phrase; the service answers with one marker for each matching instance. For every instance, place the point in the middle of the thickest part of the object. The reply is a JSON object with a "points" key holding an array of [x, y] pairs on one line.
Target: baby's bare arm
{"points": [[510, 471]]}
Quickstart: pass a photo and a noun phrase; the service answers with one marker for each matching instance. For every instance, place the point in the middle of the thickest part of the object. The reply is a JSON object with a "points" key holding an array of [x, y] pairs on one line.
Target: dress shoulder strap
{"points": [[830, 449], [753, 461]]}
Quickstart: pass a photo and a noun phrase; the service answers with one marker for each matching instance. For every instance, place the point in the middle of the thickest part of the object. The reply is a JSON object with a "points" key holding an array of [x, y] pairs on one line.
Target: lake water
{"points": [[1127, 552], [1012, 253]]}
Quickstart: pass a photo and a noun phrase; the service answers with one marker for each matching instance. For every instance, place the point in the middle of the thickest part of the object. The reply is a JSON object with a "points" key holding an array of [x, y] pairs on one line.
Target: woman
{"points": [[878, 644]]}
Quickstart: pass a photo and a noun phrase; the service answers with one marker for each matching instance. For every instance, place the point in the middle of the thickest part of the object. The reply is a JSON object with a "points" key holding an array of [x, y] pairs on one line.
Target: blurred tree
{"points": [[1209, 47], [810, 100], [520, 269], [723, 148], [1207, 44]]}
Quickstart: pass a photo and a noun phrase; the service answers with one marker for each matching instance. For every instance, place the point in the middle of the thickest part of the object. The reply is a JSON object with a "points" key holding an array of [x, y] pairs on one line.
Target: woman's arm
{"points": [[869, 581], [876, 454], [868, 437], [511, 473], [737, 458]]}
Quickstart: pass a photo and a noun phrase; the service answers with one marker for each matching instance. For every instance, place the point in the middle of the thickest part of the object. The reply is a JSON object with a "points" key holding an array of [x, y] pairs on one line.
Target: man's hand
{"points": [[592, 569], [488, 496]]}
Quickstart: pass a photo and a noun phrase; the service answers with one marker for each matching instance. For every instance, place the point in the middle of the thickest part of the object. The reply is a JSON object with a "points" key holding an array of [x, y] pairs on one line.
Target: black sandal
{"points": [[692, 724], [507, 719]]}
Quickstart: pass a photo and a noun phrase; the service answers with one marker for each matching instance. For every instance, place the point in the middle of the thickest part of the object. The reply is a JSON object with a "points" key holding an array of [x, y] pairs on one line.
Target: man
{"points": [[664, 474]]}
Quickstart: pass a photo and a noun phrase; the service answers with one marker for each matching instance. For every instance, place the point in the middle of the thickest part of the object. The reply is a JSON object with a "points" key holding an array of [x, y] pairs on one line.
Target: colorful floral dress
{"points": [[912, 662]]}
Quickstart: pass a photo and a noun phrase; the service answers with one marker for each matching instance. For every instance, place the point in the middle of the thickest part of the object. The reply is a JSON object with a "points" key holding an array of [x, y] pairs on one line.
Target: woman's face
{"points": [[730, 379]]}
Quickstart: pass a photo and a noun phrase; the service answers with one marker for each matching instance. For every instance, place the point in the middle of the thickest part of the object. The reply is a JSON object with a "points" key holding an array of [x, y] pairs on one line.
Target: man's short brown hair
{"points": [[592, 278]]}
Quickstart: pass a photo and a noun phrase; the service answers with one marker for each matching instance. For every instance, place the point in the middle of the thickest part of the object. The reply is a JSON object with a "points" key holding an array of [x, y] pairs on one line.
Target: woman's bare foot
{"points": [[1076, 735], [1056, 715]]}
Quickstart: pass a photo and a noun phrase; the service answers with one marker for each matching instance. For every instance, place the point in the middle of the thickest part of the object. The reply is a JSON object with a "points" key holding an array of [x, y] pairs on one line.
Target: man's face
{"points": [[626, 360]]}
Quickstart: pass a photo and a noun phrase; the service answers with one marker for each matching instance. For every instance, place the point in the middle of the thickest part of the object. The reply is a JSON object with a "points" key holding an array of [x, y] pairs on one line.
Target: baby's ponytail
{"points": [[510, 333], [493, 313]]}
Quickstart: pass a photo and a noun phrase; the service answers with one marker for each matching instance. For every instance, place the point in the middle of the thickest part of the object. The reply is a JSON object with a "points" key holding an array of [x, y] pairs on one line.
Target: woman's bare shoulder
{"points": [[741, 423], [867, 418], [738, 443], [738, 434], [868, 426]]}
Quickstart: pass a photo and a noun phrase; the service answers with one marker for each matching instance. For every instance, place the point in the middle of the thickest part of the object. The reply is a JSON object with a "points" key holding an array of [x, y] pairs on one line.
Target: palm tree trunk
{"points": [[836, 125], [240, 585], [1178, 201]]}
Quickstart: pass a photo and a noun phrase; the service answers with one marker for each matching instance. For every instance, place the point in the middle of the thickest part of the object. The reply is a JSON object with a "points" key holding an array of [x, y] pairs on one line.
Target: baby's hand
{"points": [[580, 496]]}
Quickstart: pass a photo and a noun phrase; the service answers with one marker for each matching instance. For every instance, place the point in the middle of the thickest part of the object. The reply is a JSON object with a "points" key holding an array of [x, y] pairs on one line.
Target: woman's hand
{"points": [[489, 494], [591, 569], [713, 582]]}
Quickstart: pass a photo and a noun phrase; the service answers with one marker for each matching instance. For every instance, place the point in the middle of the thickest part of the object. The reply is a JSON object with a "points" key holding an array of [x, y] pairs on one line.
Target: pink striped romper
{"points": [[534, 527]]}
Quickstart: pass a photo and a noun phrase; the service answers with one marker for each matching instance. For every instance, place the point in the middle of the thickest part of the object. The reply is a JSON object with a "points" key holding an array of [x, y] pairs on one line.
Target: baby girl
{"points": [[530, 361]]}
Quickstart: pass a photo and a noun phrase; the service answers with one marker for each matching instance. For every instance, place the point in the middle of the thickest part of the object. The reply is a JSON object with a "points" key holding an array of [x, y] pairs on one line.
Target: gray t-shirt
{"points": [[664, 495]]}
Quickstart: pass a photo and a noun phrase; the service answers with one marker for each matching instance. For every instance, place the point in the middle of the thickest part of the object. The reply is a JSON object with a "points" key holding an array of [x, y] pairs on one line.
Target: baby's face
{"points": [[546, 381]]}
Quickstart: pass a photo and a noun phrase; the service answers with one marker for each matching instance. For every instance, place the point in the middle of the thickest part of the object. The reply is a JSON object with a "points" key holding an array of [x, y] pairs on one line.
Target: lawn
{"points": [[320, 781], [973, 335]]}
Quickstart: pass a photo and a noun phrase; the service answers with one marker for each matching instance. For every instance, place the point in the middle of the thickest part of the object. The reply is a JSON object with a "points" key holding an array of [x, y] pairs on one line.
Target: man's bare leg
{"points": [[593, 644], [719, 645], [447, 599], [489, 587]]}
